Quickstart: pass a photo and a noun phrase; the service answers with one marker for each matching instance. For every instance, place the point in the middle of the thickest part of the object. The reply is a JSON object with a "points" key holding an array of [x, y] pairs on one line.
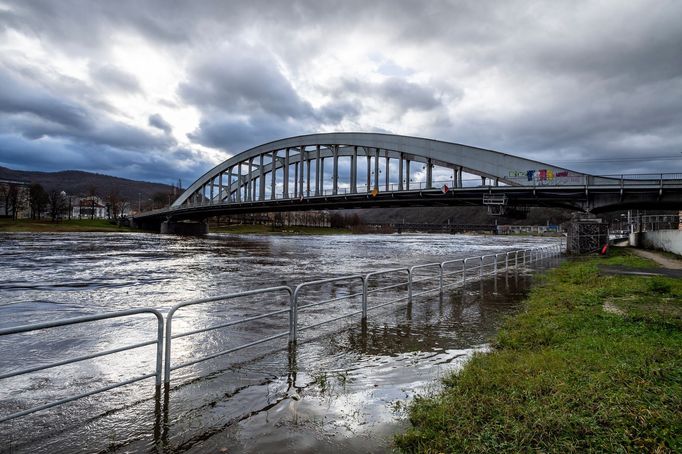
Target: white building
{"points": [[88, 208]]}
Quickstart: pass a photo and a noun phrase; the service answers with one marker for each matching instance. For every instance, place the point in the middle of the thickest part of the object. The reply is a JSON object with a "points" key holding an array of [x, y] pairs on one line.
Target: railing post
{"points": [[364, 297], [464, 273], [441, 278], [293, 314], [169, 335], [409, 285], [159, 349], [480, 268]]}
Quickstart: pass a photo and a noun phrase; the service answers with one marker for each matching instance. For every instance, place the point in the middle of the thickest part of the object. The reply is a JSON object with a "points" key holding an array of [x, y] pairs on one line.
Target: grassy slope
{"points": [[568, 376], [75, 225]]}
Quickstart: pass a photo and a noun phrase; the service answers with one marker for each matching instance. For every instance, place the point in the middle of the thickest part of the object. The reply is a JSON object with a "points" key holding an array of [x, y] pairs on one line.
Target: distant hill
{"points": [[76, 182]]}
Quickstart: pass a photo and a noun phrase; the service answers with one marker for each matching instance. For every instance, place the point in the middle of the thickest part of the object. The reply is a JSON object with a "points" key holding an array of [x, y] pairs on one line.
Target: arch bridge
{"points": [[363, 170]]}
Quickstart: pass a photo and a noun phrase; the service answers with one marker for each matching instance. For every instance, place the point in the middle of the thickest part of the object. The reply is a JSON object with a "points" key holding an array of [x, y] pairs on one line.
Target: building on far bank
{"points": [[91, 207], [14, 198], [528, 229]]}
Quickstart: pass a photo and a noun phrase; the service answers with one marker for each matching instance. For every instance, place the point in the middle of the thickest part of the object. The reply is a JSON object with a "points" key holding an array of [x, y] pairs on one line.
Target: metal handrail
{"points": [[365, 286], [483, 257], [297, 291], [461, 271], [85, 319], [465, 269], [426, 265], [169, 325]]}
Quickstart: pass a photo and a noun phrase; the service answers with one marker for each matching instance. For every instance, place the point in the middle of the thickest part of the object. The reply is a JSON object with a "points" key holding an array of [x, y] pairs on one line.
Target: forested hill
{"points": [[76, 182]]}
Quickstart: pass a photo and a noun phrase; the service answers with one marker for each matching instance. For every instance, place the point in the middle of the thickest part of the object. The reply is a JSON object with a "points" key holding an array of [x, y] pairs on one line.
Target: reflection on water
{"points": [[335, 392]]}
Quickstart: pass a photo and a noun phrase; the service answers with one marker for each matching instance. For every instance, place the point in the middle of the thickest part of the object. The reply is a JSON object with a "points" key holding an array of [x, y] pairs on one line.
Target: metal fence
{"points": [[79, 320], [435, 276]]}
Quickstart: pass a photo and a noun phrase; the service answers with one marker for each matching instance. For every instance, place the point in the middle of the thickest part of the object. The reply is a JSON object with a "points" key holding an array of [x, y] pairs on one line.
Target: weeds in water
{"points": [[321, 380]]}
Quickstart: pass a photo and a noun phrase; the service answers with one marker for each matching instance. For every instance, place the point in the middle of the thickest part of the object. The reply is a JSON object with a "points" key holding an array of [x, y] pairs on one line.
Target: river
{"points": [[342, 388]]}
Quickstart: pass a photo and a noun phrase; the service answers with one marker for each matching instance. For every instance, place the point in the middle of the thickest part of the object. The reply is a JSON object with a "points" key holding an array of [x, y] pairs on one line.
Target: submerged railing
{"points": [[79, 320], [463, 270]]}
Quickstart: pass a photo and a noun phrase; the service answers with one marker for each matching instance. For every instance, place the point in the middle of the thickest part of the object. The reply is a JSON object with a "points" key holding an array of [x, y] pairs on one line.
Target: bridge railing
{"points": [[633, 178], [397, 285]]}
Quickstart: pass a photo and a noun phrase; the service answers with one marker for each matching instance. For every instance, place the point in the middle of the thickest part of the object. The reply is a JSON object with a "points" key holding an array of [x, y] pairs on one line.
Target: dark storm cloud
{"points": [[86, 26], [236, 134], [245, 100], [42, 127], [17, 97], [242, 79], [157, 121], [114, 78], [400, 93], [56, 154]]}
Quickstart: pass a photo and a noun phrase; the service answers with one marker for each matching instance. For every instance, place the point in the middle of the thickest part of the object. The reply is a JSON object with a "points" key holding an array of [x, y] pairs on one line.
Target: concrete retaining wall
{"points": [[665, 240]]}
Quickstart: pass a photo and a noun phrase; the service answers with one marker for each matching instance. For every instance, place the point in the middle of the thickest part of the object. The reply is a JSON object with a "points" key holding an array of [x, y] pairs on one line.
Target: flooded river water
{"points": [[342, 388]]}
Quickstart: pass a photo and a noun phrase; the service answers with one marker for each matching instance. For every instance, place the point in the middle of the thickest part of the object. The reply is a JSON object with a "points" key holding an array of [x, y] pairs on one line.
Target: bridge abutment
{"points": [[184, 228]]}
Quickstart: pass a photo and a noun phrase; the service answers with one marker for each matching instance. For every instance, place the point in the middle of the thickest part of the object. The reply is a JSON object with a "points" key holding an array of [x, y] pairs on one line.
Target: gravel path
{"points": [[662, 260]]}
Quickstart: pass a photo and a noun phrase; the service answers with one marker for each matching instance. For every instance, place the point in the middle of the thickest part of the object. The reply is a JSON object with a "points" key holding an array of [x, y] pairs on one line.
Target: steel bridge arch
{"points": [[245, 176]]}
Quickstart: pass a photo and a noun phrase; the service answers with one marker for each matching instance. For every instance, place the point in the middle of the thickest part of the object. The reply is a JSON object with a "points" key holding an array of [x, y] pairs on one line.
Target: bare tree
{"points": [[13, 200], [159, 199], [38, 200], [92, 194], [117, 204], [4, 189], [57, 203]]}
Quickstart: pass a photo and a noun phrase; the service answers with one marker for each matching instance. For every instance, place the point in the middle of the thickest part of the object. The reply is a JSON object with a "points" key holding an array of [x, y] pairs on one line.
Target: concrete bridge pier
{"points": [[185, 228]]}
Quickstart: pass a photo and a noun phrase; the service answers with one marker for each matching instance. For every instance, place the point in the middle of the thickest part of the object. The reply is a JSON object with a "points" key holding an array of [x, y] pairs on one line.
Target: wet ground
{"points": [[342, 388], [624, 270]]}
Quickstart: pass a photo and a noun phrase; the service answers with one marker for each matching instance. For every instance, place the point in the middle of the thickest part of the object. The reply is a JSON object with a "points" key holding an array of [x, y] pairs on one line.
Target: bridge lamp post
{"points": [[373, 173]]}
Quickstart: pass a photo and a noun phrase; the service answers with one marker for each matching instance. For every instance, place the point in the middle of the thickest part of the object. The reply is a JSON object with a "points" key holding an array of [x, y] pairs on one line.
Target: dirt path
{"points": [[662, 260]]}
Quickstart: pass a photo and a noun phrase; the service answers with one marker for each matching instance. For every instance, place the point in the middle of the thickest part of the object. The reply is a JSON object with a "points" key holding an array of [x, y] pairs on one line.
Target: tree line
{"points": [[53, 204]]}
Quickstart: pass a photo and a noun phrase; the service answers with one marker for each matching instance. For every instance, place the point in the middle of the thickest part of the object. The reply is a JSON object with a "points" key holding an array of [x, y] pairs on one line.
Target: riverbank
{"points": [[103, 225], [73, 225], [263, 229], [593, 363]]}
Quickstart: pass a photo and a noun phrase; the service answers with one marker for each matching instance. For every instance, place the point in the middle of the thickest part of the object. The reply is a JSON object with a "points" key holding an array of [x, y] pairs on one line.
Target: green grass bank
{"points": [[73, 225], [592, 363]]}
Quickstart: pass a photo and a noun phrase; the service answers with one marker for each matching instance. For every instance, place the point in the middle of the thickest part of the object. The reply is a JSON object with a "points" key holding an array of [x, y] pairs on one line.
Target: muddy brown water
{"points": [[342, 388]]}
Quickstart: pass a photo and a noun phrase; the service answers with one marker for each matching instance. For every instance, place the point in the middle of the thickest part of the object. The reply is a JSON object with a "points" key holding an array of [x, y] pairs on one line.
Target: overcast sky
{"points": [[161, 90]]}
